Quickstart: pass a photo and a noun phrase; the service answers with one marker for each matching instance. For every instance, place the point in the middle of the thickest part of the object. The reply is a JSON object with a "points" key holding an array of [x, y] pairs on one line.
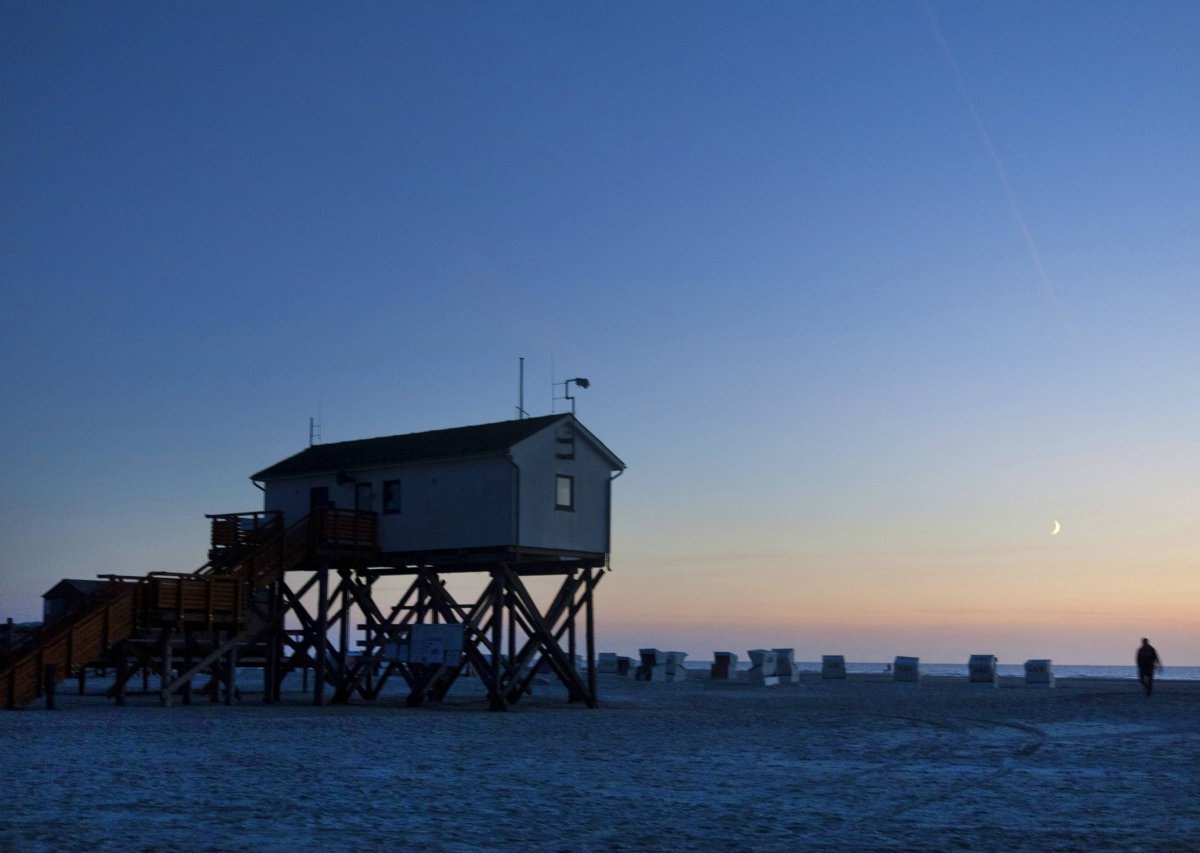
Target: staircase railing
{"points": [[70, 643], [249, 551]]}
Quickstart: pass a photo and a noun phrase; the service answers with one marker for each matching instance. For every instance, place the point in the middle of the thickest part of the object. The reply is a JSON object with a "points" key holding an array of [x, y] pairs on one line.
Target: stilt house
{"points": [[498, 502], [521, 488]]}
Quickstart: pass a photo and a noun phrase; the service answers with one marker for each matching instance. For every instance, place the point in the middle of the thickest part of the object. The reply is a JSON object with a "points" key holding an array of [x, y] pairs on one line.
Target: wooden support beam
{"points": [[545, 638], [189, 653], [195, 669], [231, 672], [343, 694], [320, 639], [168, 634], [496, 700], [552, 615], [122, 674], [590, 630], [50, 684], [271, 660]]}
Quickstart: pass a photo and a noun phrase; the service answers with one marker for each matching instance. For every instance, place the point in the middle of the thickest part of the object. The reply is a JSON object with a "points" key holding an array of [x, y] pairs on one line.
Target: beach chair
{"points": [[1039, 673], [833, 667], [606, 662], [762, 668], [907, 670], [653, 666], [981, 671], [785, 665], [724, 665], [675, 668]]}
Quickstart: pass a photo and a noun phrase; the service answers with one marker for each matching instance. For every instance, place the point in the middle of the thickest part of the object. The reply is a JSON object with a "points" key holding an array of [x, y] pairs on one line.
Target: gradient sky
{"points": [[869, 294]]}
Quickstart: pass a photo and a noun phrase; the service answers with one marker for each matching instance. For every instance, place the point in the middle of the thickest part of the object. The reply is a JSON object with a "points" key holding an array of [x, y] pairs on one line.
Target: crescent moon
{"points": [[1057, 527]]}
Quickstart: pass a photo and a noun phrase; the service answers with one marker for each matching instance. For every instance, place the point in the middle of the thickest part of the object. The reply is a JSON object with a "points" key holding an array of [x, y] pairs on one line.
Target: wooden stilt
{"points": [[189, 639], [590, 628], [495, 692], [277, 638], [214, 677], [320, 640], [270, 649], [122, 674], [344, 636], [512, 628], [164, 695], [50, 684], [230, 673]]}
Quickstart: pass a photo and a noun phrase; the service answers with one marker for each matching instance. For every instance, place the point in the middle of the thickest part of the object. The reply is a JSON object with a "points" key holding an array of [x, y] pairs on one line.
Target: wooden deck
{"points": [[249, 551]]}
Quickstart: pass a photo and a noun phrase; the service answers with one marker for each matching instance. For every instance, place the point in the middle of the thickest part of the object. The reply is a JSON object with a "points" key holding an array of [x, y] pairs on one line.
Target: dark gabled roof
{"points": [[480, 440], [84, 587]]}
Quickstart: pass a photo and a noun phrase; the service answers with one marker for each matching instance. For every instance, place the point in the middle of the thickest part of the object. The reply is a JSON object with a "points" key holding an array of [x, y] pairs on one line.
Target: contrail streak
{"points": [[1035, 254]]}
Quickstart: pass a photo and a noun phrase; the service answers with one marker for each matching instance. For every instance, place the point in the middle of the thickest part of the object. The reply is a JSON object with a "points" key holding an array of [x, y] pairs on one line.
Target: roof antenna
{"points": [[521, 413], [314, 428]]}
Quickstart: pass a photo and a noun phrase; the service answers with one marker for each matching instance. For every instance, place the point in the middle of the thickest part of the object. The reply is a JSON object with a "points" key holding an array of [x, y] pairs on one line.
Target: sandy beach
{"points": [[700, 764]]}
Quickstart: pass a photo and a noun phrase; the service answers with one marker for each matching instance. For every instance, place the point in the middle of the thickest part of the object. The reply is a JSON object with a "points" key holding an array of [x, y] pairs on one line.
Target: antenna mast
{"points": [[521, 413], [314, 429]]}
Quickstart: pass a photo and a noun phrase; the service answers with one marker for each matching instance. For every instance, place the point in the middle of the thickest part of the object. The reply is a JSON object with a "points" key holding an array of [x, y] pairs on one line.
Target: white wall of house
{"points": [[464, 503], [585, 527], [482, 502]]}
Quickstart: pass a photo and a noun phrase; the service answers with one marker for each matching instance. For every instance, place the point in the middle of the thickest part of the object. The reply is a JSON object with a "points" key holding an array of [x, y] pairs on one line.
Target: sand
{"points": [[862, 764]]}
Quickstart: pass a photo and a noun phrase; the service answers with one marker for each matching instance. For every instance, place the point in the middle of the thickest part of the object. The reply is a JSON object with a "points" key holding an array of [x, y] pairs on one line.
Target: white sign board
{"points": [[429, 645]]}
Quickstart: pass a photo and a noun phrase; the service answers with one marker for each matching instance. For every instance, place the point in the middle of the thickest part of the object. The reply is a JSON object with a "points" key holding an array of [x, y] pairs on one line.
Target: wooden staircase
{"points": [[249, 552]]}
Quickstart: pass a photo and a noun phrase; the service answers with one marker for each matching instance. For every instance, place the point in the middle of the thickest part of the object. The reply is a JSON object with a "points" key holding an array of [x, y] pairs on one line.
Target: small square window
{"points": [[391, 497], [564, 491]]}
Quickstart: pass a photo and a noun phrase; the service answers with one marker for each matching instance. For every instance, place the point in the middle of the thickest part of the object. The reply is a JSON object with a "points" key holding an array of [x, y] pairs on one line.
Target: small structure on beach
{"points": [[981, 670], [1039, 673], [833, 667], [67, 595], [762, 668], [724, 665], [658, 665], [907, 670], [785, 665]]}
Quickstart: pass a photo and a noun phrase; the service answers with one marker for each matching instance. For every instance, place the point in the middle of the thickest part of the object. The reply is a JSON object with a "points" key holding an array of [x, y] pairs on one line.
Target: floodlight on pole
{"points": [[566, 384]]}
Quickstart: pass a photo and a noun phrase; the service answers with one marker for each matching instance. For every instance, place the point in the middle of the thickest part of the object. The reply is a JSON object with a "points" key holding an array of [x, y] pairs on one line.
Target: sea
{"points": [[1016, 670]]}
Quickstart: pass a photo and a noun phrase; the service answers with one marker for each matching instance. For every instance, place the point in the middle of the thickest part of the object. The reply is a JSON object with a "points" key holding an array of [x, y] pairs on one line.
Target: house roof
{"points": [[85, 587], [479, 440]]}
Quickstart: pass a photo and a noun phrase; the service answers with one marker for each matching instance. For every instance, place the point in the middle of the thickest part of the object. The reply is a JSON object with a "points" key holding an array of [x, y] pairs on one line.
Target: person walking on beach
{"points": [[1147, 662]]}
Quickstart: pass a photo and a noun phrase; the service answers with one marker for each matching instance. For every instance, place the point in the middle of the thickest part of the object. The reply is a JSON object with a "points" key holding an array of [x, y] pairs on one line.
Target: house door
{"points": [[318, 498], [362, 497]]}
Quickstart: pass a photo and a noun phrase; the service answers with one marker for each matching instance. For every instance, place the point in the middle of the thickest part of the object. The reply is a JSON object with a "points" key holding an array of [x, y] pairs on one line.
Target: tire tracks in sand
{"points": [[942, 791]]}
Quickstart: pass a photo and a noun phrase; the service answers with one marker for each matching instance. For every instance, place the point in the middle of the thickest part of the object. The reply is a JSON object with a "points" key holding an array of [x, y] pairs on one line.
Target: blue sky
{"points": [[869, 294]]}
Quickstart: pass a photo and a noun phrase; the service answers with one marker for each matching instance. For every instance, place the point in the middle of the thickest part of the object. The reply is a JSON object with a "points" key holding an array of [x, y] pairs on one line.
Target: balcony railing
{"points": [[344, 529], [233, 532]]}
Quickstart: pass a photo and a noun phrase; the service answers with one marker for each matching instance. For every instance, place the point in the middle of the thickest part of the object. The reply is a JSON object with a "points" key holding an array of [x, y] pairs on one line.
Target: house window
{"points": [[391, 497], [564, 491], [363, 497]]}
